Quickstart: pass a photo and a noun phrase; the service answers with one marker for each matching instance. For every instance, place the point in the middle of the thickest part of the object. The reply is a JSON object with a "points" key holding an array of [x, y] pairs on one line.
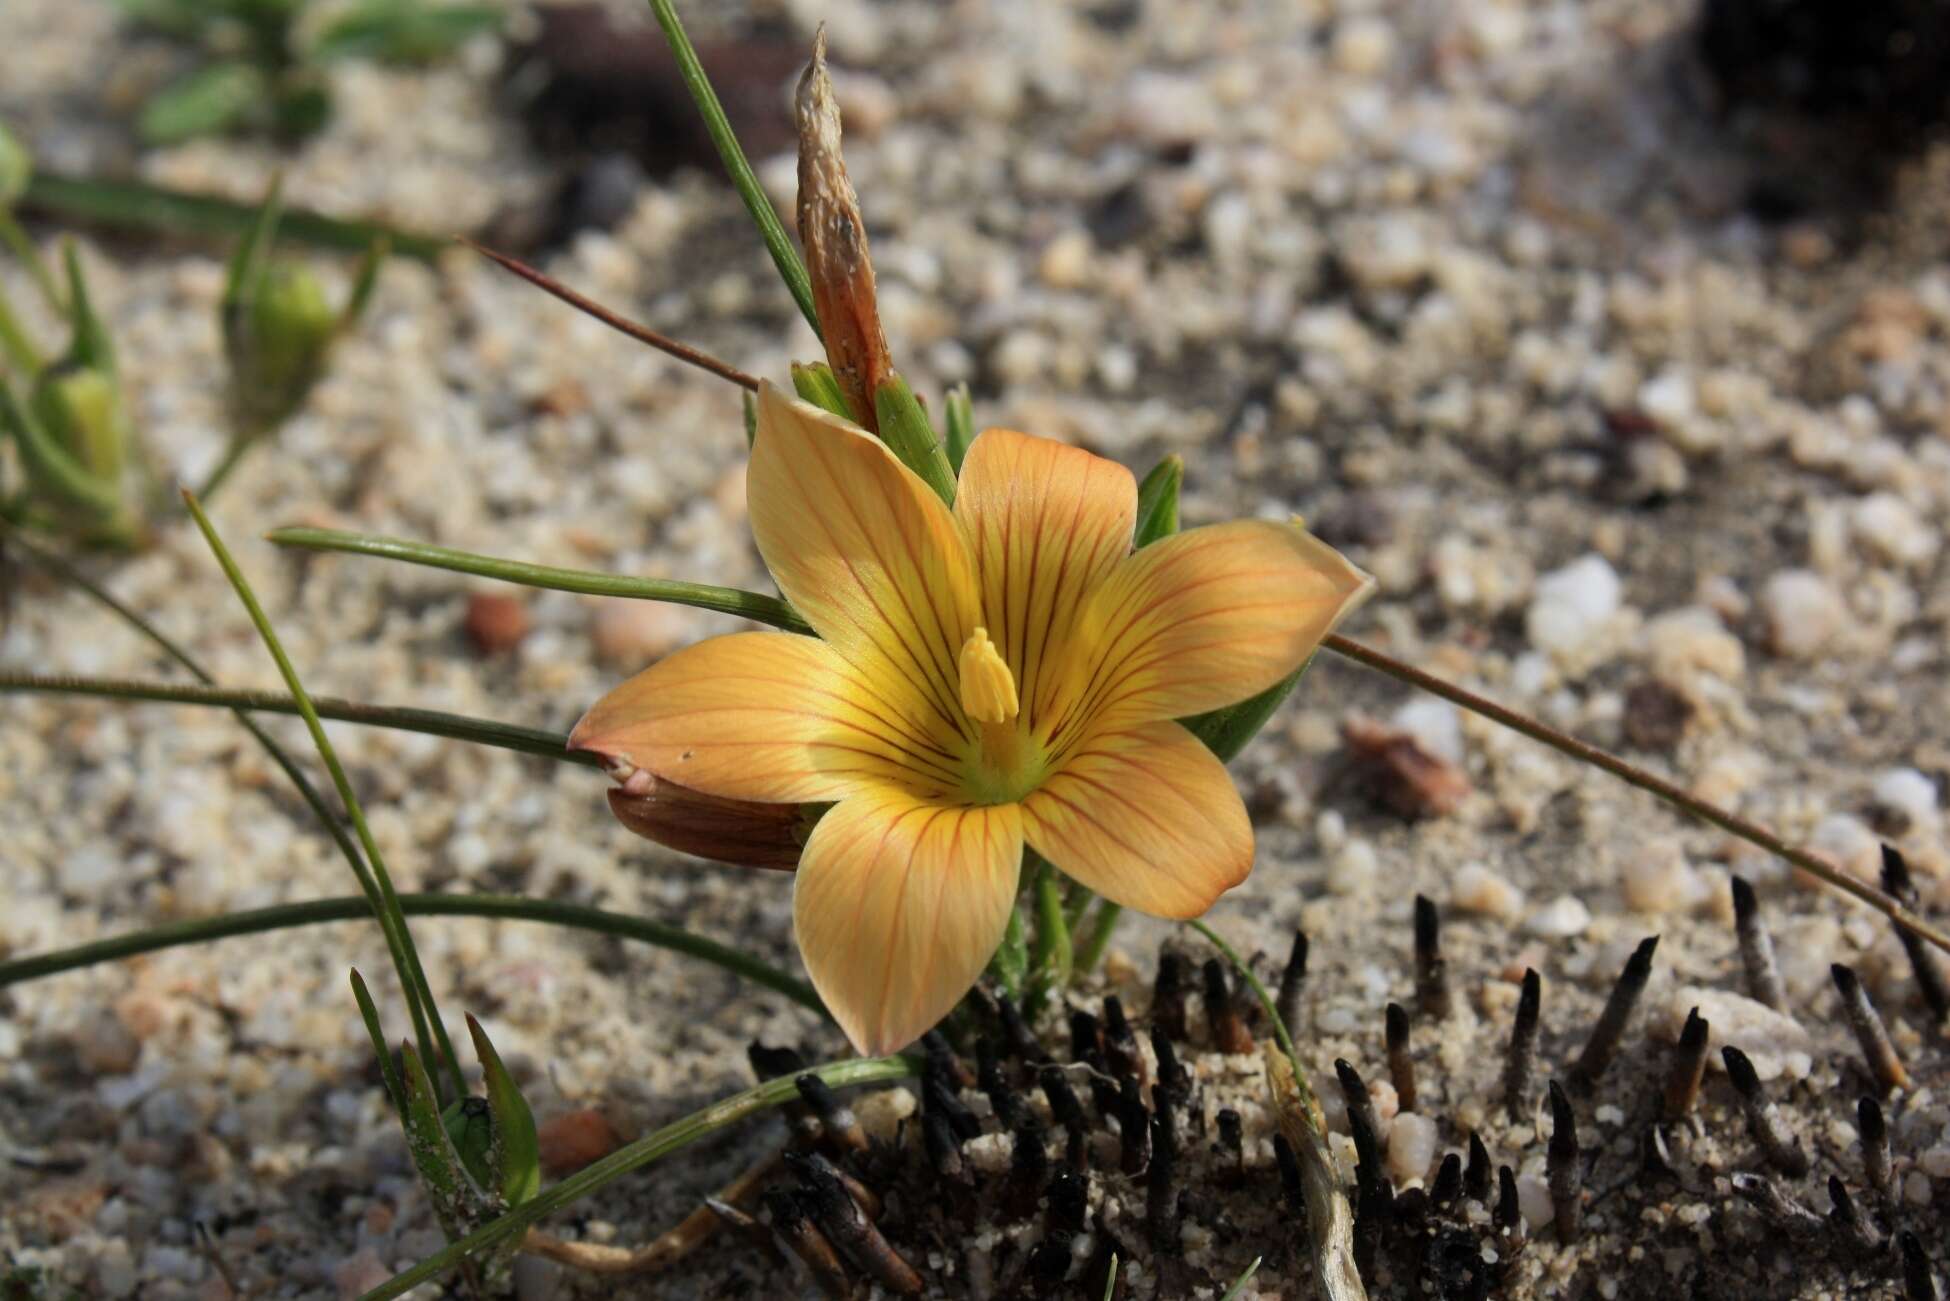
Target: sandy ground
{"points": [[1470, 286]]}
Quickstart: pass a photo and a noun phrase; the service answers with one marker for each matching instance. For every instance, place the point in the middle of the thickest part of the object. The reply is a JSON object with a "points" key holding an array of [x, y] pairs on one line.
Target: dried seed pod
{"points": [[1523, 1047], [1229, 1033], [1878, 1166], [1763, 1121], [1401, 1067], [842, 1127], [1293, 983], [1688, 1068], [1431, 971], [790, 1220], [1866, 1022], [1605, 1035], [740, 832], [1756, 948], [1168, 996], [1477, 1175], [1563, 1171]]}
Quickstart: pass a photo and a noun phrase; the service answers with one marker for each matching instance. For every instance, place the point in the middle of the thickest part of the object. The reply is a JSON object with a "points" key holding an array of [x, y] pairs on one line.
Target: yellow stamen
{"points": [[988, 690]]}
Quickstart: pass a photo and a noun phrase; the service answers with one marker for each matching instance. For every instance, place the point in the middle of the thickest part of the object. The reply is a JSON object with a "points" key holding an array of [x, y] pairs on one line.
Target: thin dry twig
{"points": [[685, 1237]]}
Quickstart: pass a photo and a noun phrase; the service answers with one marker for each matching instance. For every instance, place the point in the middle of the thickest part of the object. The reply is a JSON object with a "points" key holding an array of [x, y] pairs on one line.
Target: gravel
{"points": [[1471, 287]]}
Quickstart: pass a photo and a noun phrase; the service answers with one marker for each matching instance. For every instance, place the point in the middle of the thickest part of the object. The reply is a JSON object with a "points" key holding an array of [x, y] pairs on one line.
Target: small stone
{"points": [[1363, 46], [1886, 525], [1354, 869], [882, 1111], [1655, 716], [1668, 399], [1910, 795], [104, 1046], [1479, 890], [1572, 605], [1400, 772], [1681, 643], [1411, 1147], [632, 634], [495, 622], [1065, 263], [1561, 918], [359, 1274], [1534, 1201], [1435, 723], [575, 1139], [1804, 612], [1776, 1042], [1660, 880]]}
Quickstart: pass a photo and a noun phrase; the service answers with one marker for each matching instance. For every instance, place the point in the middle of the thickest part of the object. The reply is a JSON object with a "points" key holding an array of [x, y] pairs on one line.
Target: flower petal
{"points": [[898, 906], [768, 716], [1147, 818], [1205, 619], [862, 548], [1045, 523]]}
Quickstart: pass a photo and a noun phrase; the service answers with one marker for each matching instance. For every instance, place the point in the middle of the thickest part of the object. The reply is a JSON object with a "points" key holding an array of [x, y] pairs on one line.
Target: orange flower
{"points": [[1002, 673]]}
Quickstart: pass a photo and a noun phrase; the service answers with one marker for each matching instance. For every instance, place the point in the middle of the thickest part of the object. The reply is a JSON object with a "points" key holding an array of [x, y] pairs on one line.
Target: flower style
{"points": [[999, 673]]}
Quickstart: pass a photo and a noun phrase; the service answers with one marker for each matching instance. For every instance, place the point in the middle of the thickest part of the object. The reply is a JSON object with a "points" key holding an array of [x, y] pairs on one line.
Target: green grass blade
{"points": [[352, 908], [726, 600], [645, 1151], [386, 901], [779, 244], [1239, 1284], [428, 722], [517, 1150], [369, 1013]]}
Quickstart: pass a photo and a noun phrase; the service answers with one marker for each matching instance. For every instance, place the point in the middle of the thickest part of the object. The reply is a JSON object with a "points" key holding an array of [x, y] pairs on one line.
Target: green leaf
{"points": [[388, 1069], [814, 382], [430, 1148], [959, 417], [1239, 1284], [904, 427], [1226, 731], [1157, 508], [405, 33], [216, 98], [1010, 962], [469, 1123], [517, 1150]]}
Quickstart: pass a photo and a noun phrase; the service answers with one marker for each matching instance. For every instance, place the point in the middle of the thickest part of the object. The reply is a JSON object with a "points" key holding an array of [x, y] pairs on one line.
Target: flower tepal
{"points": [[1003, 672]]}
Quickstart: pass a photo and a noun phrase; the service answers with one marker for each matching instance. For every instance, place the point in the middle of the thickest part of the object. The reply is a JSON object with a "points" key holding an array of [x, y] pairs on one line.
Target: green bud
{"points": [[960, 419], [470, 1128], [1157, 510], [277, 339], [16, 168]]}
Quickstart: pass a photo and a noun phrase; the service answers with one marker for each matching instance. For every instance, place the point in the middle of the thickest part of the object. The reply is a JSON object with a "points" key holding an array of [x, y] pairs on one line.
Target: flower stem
{"points": [[743, 179], [726, 600], [1633, 775], [430, 722], [1108, 915], [375, 878], [505, 907], [1050, 959], [646, 1150]]}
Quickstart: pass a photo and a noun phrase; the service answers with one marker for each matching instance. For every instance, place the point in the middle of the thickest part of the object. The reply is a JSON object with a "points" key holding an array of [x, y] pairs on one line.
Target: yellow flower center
{"points": [[988, 689]]}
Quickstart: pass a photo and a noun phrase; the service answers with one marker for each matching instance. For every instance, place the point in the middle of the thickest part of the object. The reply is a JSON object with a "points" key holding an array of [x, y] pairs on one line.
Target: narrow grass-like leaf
{"points": [[958, 417], [517, 1151], [1157, 508], [815, 382], [385, 900], [497, 907], [432, 1151], [1239, 1284], [779, 244], [905, 427], [428, 722], [369, 1013], [727, 600], [646, 1150]]}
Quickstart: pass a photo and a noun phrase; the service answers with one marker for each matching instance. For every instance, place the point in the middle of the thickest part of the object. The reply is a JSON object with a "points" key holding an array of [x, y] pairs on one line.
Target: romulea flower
{"points": [[1002, 673]]}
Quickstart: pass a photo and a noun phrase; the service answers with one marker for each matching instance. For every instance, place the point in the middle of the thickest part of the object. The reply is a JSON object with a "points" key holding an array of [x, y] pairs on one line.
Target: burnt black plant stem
{"points": [[1878, 1166], [1931, 983], [1603, 1043], [1293, 982], [1477, 1175], [1401, 1067], [1866, 1022], [846, 1225], [1848, 1219], [1918, 1285], [1523, 1046], [796, 1229], [1756, 948], [842, 1127], [1448, 1182], [1161, 1180], [1229, 1033], [1134, 1127], [1168, 996], [1431, 971], [1688, 1067], [1563, 1170], [1763, 1121]]}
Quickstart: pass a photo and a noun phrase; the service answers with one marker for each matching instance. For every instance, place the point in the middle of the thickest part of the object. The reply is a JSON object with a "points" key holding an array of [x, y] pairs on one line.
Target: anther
{"points": [[988, 689]]}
